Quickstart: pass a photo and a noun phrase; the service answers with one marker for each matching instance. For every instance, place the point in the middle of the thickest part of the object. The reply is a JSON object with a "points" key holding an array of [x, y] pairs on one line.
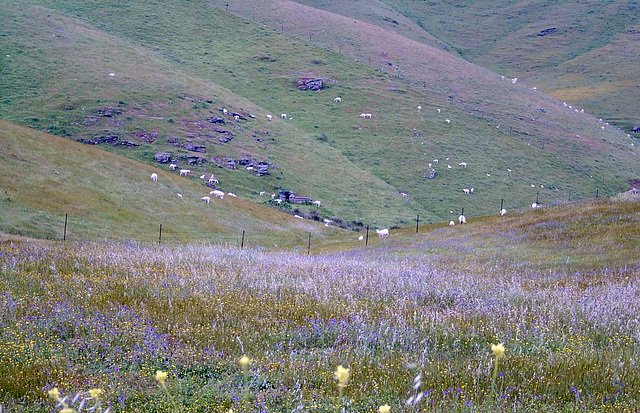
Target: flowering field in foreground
{"points": [[109, 316]]}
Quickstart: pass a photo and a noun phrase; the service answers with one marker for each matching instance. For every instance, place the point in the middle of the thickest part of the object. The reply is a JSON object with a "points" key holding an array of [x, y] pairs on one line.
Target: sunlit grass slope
{"points": [[108, 197], [169, 68], [557, 286]]}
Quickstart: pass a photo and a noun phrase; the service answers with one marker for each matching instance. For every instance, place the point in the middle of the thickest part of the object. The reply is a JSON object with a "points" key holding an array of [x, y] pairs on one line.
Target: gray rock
{"points": [[163, 157]]}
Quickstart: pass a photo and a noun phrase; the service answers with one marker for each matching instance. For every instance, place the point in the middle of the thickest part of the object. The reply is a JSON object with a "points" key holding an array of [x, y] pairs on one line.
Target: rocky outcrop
{"points": [[194, 160], [310, 84], [163, 157], [108, 139], [215, 120]]}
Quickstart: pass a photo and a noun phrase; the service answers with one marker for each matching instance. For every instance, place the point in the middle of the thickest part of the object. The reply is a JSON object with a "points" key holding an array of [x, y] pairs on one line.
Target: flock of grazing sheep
{"points": [[382, 233]]}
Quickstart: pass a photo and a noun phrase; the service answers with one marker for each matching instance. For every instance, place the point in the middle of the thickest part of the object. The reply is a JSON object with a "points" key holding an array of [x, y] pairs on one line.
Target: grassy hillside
{"points": [[166, 70], [581, 52], [108, 197], [557, 287]]}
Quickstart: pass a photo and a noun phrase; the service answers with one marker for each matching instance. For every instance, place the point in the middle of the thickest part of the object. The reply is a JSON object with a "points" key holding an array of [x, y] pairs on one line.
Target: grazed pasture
{"points": [[77, 316]]}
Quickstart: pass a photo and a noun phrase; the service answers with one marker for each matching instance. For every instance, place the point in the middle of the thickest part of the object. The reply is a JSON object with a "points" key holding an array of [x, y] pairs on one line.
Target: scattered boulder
{"points": [[108, 111], [194, 160], [109, 139], [129, 144], [190, 146], [163, 157], [145, 137], [546, 32], [239, 116], [215, 119], [430, 174], [262, 169], [310, 84]]}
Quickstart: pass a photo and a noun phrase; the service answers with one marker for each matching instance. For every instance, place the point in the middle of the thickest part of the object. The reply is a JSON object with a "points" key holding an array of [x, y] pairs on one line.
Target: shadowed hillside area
{"points": [[170, 85]]}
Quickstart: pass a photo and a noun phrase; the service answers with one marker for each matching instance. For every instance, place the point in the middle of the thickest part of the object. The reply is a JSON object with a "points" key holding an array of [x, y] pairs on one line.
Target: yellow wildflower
{"points": [[96, 393], [342, 375], [161, 376], [66, 410], [384, 409], [244, 361], [498, 350], [55, 394]]}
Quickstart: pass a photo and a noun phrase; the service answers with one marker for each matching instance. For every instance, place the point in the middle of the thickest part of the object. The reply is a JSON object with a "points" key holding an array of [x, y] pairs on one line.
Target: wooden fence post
{"points": [[160, 235], [64, 236]]}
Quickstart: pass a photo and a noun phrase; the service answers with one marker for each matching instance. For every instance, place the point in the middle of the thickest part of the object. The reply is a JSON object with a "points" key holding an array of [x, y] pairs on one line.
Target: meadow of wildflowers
{"points": [[441, 324]]}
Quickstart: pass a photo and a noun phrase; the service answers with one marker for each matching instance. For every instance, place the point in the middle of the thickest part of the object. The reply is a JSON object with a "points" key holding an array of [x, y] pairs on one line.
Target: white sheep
{"points": [[225, 111], [173, 166], [451, 223], [466, 190], [382, 233], [438, 110], [298, 216], [217, 193], [360, 238], [338, 99], [535, 205], [185, 172], [448, 121], [283, 116], [269, 117], [419, 108], [206, 199], [462, 219], [462, 164], [179, 195], [154, 177], [317, 203], [435, 161], [503, 212], [262, 193], [514, 80], [232, 195], [212, 180]]}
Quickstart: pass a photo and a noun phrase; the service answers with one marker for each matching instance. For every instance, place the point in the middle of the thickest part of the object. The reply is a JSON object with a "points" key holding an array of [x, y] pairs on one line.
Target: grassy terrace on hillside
{"points": [[564, 303]]}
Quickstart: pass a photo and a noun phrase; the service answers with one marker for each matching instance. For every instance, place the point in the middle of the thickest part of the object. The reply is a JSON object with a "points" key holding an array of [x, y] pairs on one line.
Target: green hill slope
{"points": [[108, 197], [155, 77], [581, 52]]}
